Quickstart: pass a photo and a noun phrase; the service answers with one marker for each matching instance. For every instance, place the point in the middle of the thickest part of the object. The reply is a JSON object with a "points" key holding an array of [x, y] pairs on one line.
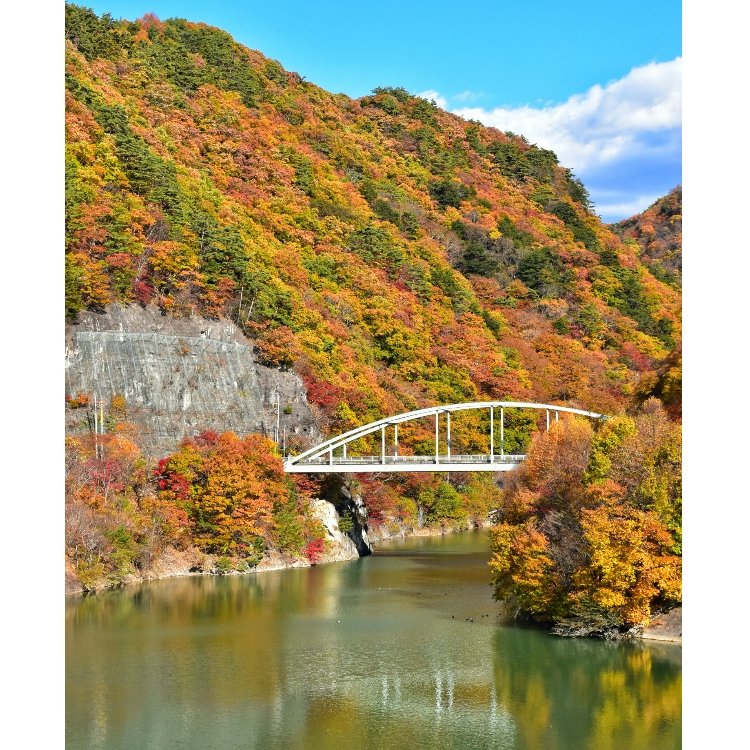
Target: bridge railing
{"points": [[391, 460]]}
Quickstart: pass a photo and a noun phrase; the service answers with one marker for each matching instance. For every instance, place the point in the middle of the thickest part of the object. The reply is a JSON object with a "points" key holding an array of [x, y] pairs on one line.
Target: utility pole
{"points": [[98, 426], [96, 429], [278, 416]]}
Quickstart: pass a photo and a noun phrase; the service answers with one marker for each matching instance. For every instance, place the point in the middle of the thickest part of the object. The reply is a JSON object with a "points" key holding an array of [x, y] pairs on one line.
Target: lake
{"points": [[402, 649]]}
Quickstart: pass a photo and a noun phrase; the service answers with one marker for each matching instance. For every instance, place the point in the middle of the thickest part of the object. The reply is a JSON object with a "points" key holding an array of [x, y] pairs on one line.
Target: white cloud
{"points": [[626, 208], [467, 96], [441, 101], [623, 138], [602, 125]]}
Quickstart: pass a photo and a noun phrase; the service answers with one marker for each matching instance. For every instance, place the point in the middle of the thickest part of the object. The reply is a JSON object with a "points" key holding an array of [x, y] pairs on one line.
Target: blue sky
{"points": [[597, 82]]}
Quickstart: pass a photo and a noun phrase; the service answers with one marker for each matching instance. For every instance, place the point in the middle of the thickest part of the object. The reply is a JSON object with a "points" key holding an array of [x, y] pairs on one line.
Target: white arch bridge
{"points": [[331, 455]]}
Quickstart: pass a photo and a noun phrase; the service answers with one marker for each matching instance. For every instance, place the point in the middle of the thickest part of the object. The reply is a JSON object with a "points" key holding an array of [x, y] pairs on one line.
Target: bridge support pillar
{"points": [[437, 444], [448, 414], [492, 434], [502, 433]]}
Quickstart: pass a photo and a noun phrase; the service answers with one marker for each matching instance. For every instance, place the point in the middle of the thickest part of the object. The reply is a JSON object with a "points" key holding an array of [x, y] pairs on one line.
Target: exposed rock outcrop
{"points": [[179, 376], [341, 546]]}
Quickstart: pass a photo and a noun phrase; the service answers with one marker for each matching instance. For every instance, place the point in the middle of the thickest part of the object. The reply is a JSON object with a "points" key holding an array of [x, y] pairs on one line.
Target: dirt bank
{"points": [[665, 627]]}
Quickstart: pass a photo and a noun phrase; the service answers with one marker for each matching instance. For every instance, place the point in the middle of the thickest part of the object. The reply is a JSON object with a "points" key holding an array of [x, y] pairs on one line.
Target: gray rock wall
{"points": [[179, 376], [341, 546]]}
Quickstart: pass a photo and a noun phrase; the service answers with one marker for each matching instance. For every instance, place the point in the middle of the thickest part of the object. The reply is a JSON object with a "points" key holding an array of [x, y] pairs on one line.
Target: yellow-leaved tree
{"points": [[588, 536]]}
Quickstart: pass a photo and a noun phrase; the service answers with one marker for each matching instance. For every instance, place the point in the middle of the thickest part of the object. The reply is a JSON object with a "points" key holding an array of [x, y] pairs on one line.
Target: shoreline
{"points": [[177, 564], [676, 640], [165, 569], [664, 628]]}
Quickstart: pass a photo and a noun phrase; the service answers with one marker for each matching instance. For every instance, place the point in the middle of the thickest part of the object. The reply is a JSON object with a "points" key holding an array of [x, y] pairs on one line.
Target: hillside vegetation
{"points": [[395, 255], [658, 232]]}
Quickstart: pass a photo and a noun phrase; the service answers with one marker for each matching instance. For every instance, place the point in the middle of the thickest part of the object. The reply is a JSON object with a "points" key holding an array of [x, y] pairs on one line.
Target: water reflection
{"points": [[378, 652], [589, 694]]}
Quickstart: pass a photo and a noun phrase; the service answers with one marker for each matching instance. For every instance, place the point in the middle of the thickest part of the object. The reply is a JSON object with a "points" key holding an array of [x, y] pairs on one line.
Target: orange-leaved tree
{"points": [[589, 529], [228, 486]]}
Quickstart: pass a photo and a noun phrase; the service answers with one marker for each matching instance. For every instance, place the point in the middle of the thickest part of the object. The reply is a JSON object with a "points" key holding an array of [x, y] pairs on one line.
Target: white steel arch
{"points": [[321, 458]]}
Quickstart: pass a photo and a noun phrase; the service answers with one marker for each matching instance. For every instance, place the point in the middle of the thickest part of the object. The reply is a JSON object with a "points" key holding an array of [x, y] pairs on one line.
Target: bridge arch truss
{"points": [[323, 458]]}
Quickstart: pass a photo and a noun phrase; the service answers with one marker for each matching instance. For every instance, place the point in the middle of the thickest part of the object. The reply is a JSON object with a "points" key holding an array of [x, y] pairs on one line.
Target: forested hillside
{"points": [[658, 232], [394, 255]]}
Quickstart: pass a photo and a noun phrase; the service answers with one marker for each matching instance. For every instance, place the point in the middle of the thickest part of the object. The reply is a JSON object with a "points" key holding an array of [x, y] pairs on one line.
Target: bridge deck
{"points": [[368, 464]]}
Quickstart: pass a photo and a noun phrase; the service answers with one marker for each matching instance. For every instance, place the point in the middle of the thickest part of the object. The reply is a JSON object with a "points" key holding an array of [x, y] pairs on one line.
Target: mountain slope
{"points": [[394, 254], [658, 232]]}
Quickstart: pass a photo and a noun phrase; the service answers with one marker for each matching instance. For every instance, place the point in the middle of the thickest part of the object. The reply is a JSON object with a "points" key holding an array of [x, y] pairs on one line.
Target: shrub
{"points": [[288, 533], [346, 522], [313, 550], [441, 503], [223, 565], [79, 400]]}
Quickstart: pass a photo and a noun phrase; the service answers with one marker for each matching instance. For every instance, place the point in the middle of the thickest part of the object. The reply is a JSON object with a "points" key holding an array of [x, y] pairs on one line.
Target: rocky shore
{"points": [[340, 546], [665, 627], [173, 562]]}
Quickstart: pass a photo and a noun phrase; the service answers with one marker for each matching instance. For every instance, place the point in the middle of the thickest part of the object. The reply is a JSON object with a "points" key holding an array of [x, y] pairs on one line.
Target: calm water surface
{"points": [[373, 653]]}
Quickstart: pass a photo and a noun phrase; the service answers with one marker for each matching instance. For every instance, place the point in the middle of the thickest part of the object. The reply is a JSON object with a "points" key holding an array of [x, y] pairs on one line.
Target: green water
{"points": [[372, 653]]}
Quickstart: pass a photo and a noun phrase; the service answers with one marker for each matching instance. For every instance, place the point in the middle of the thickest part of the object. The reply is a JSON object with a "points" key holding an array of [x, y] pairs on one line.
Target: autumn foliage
{"points": [[395, 256], [589, 536], [220, 495]]}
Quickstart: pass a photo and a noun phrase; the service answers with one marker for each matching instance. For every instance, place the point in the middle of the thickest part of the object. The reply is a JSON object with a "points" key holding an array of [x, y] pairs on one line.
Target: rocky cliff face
{"points": [[179, 376], [341, 546]]}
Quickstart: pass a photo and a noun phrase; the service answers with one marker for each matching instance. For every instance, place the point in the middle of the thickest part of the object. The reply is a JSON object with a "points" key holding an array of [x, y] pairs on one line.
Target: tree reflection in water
{"points": [[377, 652]]}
